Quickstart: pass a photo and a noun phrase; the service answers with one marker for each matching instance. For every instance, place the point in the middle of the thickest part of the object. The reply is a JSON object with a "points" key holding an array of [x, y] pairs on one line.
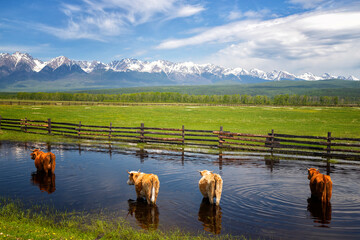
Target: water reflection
{"points": [[146, 215], [321, 213], [264, 197], [271, 161], [210, 216], [45, 182], [142, 154]]}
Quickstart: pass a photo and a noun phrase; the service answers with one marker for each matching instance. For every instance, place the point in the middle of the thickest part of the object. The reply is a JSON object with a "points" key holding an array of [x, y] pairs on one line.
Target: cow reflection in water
{"points": [[45, 182], [210, 216], [320, 212], [147, 215]]}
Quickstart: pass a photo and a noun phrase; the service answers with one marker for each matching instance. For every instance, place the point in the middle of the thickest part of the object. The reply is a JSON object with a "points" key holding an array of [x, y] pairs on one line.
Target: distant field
{"points": [[341, 121], [339, 88]]}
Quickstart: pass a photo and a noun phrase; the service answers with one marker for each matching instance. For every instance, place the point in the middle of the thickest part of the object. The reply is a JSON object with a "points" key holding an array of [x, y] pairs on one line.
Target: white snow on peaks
{"points": [[353, 78], [23, 61], [88, 67], [236, 71], [309, 77], [38, 65], [58, 61]]}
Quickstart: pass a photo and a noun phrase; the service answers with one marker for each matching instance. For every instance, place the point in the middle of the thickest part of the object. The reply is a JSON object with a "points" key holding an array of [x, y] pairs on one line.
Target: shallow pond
{"points": [[261, 198]]}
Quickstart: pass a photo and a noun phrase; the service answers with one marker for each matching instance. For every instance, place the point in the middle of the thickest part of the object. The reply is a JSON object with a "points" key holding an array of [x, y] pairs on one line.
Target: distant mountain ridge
{"points": [[17, 70]]}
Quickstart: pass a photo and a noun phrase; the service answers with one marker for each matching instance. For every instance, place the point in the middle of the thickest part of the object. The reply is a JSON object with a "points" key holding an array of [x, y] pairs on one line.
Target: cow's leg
{"points": [[148, 196], [211, 191], [157, 187], [138, 190]]}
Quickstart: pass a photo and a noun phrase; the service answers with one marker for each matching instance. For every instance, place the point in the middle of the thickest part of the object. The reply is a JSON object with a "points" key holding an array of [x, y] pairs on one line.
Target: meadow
{"points": [[315, 121], [44, 222]]}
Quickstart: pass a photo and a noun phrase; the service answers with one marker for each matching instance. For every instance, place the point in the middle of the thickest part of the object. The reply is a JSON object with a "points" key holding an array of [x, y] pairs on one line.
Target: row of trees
{"points": [[170, 97]]}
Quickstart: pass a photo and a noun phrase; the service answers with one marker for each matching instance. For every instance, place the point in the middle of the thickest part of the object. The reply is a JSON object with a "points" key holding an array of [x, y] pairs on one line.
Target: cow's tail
{"points": [[218, 188], [52, 163], [327, 188], [52, 158], [154, 187]]}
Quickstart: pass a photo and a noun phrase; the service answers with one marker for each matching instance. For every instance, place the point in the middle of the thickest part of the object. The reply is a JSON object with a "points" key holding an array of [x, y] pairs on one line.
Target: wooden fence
{"points": [[323, 146]]}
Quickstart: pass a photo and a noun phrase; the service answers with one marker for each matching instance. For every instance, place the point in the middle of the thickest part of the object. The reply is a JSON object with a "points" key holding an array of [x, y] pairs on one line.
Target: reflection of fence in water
{"points": [[321, 146]]}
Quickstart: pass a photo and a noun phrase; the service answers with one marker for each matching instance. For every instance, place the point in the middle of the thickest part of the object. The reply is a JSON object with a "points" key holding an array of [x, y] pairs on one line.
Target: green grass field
{"points": [[43, 222], [316, 121]]}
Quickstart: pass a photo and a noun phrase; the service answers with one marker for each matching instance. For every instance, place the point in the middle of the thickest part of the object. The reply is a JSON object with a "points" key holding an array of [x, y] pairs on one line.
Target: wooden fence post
{"points": [[328, 148], [25, 124], [272, 140], [110, 132], [220, 139], [142, 132], [183, 134], [49, 125], [79, 129]]}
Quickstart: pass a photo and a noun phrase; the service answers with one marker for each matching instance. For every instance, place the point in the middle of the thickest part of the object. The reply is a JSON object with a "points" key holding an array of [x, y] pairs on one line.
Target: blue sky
{"points": [[294, 35]]}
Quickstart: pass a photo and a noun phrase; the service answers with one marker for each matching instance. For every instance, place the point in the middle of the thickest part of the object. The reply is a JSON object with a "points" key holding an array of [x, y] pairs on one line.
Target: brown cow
{"points": [[44, 161], [210, 186], [320, 185], [146, 185]]}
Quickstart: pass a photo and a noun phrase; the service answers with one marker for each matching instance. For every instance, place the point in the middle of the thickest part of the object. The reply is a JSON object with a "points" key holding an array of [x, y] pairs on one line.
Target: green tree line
{"points": [[170, 97]]}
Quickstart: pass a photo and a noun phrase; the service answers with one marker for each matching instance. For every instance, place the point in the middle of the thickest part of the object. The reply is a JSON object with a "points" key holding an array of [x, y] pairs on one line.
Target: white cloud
{"points": [[307, 4], [188, 10], [236, 14], [290, 42], [23, 48], [98, 20]]}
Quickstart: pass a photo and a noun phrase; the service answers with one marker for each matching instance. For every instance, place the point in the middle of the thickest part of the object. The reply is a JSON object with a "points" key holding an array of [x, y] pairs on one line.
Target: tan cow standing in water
{"points": [[146, 185], [44, 161], [210, 186], [320, 185]]}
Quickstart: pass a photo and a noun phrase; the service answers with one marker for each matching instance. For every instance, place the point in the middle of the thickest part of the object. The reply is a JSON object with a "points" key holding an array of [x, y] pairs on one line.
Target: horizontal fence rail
{"points": [[322, 146]]}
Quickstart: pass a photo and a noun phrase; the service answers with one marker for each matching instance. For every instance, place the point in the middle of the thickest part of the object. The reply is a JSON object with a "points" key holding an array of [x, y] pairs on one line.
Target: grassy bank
{"points": [[341, 121], [39, 222]]}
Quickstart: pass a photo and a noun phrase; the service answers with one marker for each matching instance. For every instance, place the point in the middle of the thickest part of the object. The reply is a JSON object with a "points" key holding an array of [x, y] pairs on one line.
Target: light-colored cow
{"points": [[210, 186], [146, 185]]}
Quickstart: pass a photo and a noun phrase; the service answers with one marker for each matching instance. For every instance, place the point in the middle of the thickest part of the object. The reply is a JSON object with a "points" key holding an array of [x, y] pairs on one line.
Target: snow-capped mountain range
{"points": [[21, 66]]}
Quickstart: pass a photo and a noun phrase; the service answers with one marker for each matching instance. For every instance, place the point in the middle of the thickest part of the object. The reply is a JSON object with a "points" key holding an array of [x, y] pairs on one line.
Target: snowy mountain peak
{"points": [[58, 61], [176, 72], [309, 77], [353, 78]]}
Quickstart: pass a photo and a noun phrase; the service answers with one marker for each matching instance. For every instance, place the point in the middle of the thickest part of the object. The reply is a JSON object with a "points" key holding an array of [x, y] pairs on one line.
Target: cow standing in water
{"points": [[44, 161], [320, 185], [210, 186], [146, 185]]}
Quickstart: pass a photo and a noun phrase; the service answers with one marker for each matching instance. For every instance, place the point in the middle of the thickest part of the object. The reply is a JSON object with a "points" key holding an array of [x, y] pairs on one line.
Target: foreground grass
{"points": [[41, 222], [316, 121]]}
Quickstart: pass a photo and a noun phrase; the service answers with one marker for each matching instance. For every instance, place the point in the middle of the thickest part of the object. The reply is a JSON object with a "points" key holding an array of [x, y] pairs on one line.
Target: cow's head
{"points": [[205, 172], [34, 153], [133, 175], [312, 172]]}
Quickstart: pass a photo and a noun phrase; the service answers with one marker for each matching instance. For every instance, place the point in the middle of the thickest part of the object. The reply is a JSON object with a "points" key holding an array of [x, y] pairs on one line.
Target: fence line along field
{"points": [[330, 147], [316, 121]]}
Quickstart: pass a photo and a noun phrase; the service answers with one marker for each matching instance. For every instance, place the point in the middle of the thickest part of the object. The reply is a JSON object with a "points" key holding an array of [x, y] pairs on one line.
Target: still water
{"points": [[261, 198]]}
